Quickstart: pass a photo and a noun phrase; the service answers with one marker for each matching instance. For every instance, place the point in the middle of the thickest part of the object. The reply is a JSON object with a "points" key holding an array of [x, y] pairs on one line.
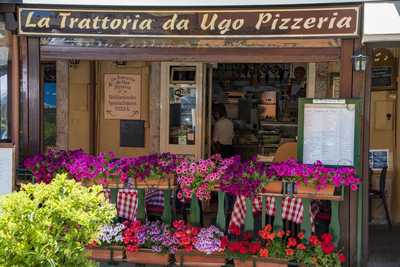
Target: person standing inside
{"points": [[223, 132]]}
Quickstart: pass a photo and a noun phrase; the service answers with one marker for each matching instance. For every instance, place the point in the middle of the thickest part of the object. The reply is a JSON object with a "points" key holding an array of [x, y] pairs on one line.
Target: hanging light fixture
{"points": [[359, 62]]}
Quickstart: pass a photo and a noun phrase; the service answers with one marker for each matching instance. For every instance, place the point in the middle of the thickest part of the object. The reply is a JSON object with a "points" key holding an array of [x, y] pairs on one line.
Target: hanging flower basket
{"points": [[114, 253], [166, 181], [328, 190], [197, 259], [147, 256], [273, 187], [260, 262]]}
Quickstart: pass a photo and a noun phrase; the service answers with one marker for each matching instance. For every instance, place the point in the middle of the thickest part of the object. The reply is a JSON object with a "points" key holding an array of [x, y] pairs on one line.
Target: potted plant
{"points": [[156, 170], [51, 224], [201, 177], [149, 243], [199, 246], [108, 246], [244, 179]]}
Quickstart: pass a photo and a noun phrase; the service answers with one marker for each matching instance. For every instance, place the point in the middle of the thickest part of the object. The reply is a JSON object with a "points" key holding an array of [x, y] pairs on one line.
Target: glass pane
{"points": [[182, 107], [4, 83], [49, 101]]}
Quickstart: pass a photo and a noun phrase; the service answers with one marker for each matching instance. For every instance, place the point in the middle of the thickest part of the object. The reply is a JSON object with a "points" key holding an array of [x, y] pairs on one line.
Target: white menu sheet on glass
{"points": [[6, 170], [329, 134]]}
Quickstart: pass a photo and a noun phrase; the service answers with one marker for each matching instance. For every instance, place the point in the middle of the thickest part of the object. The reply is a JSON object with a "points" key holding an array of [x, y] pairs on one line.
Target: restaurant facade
{"points": [[145, 79]]}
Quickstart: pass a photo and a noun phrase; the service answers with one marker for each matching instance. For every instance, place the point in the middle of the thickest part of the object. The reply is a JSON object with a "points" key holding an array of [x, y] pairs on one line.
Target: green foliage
{"points": [[50, 225]]}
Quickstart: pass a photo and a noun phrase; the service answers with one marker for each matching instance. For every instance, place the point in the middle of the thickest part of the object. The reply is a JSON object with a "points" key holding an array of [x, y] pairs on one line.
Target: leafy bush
{"points": [[50, 224]]}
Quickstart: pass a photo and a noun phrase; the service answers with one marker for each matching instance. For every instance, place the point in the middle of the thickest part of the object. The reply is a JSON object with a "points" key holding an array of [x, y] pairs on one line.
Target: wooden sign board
{"points": [[236, 23], [7, 168], [122, 96]]}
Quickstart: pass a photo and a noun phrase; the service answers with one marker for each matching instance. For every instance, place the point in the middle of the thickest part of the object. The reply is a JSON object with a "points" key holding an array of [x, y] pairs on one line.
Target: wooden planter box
{"points": [[273, 187], [197, 259], [329, 190], [166, 182], [115, 253], [260, 262], [146, 256]]}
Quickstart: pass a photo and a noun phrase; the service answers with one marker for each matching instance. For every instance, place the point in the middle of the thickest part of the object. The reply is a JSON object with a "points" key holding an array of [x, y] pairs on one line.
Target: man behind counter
{"points": [[223, 132]]}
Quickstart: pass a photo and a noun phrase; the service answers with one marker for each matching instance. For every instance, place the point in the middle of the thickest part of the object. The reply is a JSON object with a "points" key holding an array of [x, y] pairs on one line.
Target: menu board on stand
{"points": [[7, 168], [329, 131]]}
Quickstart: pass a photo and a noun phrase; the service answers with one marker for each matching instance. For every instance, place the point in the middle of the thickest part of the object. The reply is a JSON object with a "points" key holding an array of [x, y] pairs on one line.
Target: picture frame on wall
{"points": [[383, 70]]}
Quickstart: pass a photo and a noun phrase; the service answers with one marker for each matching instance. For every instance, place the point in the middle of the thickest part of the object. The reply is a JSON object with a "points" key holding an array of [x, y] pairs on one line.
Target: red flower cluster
{"points": [[129, 235], [244, 247], [185, 234]]}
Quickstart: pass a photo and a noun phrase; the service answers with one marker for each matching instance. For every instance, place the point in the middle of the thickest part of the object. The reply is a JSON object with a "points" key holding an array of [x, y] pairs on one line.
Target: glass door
{"points": [[182, 109]]}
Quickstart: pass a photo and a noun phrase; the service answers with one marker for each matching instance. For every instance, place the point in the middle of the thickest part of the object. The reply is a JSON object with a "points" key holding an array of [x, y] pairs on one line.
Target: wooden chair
{"points": [[286, 151], [381, 194]]}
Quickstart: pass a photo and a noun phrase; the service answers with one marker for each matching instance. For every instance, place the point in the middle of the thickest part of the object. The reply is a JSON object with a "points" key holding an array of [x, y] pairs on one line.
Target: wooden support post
{"points": [[263, 210], [278, 223], [14, 116], [249, 219], [141, 210], [194, 218], [62, 70], [334, 226], [34, 96], [167, 212], [221, 221], [306, 225]]}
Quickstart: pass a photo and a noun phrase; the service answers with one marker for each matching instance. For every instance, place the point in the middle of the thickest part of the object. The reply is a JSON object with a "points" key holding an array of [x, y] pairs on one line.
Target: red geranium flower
{"points": [[314, 241], [243, 250], [178, 224], [264, 252], [247, 236], [289, 252], [281, 233], [224, 242], [292, 242], [254, 247], [300, 235], [234, 246], [301, 246], [234, 229], [327, 238], [342, 257], [327, 248]]}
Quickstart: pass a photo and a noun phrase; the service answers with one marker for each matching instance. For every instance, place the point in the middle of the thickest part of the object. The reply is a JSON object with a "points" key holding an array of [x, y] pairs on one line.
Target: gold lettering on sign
{"points": [[332, 21], [28, 22], [122, 96]]}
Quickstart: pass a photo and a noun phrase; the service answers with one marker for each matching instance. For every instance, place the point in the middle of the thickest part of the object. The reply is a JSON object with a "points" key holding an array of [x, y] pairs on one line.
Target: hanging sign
{"points": [[299, 22], [122, 95]]}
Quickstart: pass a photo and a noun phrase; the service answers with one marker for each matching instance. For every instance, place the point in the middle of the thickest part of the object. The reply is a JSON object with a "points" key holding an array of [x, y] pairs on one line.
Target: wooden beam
{"points": [[346, 68], [243, 55], [34, 96], [15, 95], [24, 143]]}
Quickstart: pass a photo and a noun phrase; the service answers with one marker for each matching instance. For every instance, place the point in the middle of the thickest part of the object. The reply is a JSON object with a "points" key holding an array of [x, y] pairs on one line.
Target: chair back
{"points": [[382, 180], [286, 151]]}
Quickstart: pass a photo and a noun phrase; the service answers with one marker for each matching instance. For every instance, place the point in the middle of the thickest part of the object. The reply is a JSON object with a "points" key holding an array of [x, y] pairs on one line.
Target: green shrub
{"points": [[50, 224]]}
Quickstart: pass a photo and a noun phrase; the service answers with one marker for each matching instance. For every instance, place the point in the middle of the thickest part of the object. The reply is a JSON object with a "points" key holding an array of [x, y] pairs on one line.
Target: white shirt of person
{"points": [[223, 132]]}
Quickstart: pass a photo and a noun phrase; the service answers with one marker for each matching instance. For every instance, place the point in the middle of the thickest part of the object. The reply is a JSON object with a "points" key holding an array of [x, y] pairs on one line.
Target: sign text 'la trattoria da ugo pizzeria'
{"points": [[339, 21]]}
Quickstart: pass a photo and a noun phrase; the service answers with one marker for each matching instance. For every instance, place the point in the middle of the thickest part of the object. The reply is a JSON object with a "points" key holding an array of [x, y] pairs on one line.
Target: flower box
{"points": [[260, 262], [167, 181], [273, 187], [329, 190], [114, 253], [197, 259], [147, 256]]}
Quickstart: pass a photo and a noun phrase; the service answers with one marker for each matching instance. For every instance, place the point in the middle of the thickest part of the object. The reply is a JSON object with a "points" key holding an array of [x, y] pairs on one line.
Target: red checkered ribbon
{"points": [[127, 201], [292, 209]]}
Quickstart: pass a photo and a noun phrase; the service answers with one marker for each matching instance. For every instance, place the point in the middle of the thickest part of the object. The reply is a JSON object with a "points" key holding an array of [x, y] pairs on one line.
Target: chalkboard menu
{"points": [[382, 77], [132, 133]]}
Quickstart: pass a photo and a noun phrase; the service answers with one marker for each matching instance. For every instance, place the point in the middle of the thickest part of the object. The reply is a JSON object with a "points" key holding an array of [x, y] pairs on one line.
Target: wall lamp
{"points": [[359, 62]]}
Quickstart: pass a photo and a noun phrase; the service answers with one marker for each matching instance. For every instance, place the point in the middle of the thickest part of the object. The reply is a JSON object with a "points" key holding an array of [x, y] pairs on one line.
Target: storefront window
{"points": [[49, 102], [4, 83], [182, 105]]}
